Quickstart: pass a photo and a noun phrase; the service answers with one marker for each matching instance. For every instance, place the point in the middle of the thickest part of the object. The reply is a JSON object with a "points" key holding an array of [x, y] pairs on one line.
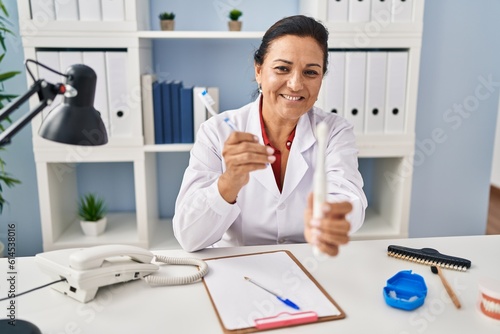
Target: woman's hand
{"points": [[331, 231], [242, 154]]}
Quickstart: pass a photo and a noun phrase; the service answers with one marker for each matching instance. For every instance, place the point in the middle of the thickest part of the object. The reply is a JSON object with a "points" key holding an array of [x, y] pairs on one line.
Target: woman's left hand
{"points": [[331, 231]]}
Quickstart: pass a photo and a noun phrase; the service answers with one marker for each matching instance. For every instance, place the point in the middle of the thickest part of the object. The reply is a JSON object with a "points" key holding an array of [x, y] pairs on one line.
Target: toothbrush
{"points": [[208, 102], [319, 195]]}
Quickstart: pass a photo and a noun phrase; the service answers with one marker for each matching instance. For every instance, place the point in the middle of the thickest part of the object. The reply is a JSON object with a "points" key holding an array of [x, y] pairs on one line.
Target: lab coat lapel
{"points": [[297, 165], [263, 176]]}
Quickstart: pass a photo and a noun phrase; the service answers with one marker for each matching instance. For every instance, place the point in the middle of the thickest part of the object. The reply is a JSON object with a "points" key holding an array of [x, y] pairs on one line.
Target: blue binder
{"points": [[167, 112], [175, 88], [157, 112], [187, 118]]}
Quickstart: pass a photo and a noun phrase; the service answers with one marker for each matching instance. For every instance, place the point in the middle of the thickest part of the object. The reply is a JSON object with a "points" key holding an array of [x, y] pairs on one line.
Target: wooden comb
{"points": [[428, 256]]}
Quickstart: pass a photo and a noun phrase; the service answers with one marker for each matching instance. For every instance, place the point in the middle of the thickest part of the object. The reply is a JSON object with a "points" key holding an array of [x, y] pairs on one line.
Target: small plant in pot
{"points": [[234, 24], [167, 20], [92, 212]]}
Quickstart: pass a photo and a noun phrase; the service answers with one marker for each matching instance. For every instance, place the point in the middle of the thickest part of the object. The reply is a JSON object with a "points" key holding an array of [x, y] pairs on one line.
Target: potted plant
{"points": [[92, 212], [234, 24], [167, 21]]}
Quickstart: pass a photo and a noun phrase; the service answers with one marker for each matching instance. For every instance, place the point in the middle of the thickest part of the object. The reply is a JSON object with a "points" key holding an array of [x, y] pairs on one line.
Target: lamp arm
{"points": [[46, 91]]}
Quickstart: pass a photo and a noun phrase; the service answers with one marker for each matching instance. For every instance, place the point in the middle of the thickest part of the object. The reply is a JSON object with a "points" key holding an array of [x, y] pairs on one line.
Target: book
{"points": [[187, 125], [199, 110], [157, 112], [175, 87], [166, 103]]}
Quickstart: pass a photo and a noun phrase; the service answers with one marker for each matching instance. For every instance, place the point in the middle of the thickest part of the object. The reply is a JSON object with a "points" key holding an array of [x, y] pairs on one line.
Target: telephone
{"points": [[85, 270]]}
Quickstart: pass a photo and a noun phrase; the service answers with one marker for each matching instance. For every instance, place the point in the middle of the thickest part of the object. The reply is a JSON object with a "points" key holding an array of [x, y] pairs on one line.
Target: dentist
{"points": [[253, 186]]}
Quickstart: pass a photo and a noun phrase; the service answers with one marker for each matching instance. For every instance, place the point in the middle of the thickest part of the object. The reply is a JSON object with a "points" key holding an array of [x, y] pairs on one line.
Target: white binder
{"points": [[97, 61], [113, 10], [66, 10], [359, 10], [148, 121], [397, 67], [199, 110], [90, 10], [376, 69], [381, 11], [51, 59], [402, 10], [338, 11], [68, 58], [355, 89], [334, 83], [43, 10], [119, 111]]}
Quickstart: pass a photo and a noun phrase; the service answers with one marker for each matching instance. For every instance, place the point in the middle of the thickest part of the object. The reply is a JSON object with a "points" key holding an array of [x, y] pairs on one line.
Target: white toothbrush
{"points": [[208, 102]]}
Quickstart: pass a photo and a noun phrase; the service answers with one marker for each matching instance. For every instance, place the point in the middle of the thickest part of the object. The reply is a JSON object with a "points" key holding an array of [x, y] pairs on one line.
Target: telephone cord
{"points": [[155, 280]]}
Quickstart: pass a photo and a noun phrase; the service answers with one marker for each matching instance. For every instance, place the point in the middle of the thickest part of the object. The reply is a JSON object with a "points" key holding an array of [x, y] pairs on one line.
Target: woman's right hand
{"points": [[242, 154]]}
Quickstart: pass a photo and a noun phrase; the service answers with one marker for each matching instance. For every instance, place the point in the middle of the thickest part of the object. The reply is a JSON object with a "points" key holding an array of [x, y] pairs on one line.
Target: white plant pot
{"points": [[94, 228]]}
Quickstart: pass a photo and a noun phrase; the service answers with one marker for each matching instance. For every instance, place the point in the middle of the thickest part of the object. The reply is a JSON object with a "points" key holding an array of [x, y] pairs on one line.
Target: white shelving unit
{"points": [[392, 153], [56, 164]]}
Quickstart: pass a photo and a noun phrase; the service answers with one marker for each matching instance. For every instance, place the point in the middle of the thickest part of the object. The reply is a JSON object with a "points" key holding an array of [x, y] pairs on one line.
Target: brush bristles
{"points": [[426, 261]]}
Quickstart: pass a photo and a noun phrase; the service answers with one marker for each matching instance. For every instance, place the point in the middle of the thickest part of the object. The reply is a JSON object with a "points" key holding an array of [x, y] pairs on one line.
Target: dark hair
{"points": [[297, 25]]}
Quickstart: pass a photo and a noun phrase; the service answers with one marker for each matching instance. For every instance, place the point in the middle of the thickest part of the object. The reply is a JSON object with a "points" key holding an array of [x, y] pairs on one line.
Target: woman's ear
{"points": [[258, 69]]}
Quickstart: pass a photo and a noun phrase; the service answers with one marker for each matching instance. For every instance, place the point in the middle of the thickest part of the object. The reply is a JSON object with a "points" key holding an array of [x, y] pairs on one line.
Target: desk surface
{"points": [[354, 279]]}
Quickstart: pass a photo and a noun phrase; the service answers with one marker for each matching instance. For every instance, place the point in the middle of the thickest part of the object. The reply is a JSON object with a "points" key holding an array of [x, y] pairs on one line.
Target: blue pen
{"points": [[284, 300], [208, 102]]}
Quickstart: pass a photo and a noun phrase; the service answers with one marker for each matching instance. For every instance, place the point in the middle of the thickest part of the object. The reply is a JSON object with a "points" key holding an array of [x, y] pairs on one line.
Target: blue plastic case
{"points": [[405, 290]]}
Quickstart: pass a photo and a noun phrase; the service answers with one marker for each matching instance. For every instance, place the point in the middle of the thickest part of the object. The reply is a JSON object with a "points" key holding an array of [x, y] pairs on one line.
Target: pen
{"points": [[286, 301], [208, 102]]}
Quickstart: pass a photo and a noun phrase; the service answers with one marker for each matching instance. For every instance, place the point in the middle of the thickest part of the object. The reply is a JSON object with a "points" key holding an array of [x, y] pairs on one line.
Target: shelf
{"points": [[121, 229], [377, 226], [168, 148], [201, 34]]}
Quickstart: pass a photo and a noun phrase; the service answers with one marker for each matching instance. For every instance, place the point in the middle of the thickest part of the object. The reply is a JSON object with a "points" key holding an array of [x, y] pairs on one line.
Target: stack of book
{"points": [[172, 112]]}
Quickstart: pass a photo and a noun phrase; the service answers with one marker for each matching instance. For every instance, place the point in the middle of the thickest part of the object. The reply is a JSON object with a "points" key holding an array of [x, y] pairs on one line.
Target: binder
{"points": [[113, 10], [214, 93], [355, 89], [397, 67], [51, 59], [66, 10], [68, 58], [175, 91], [242, 312], [334, 83], [381, 11], [148, 115], [186, 116], [376, 69], [43, 10], [359, 10], [338, 10], [90, 10], [158, 112], [166, 107], [97, 61], [402, 10], [120, 122], [199, 110]]}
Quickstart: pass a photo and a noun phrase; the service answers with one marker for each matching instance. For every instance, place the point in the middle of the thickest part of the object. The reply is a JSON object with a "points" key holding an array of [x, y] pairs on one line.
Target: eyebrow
{"points": [[289, 62]]}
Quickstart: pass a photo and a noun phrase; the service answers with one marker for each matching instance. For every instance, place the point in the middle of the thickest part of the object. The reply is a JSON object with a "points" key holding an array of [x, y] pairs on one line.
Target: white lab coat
{"points": [[261, 214]]}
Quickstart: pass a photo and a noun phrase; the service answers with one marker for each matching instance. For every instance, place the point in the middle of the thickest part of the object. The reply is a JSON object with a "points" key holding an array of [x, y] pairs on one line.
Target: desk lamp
{"points": [[75, 122]]}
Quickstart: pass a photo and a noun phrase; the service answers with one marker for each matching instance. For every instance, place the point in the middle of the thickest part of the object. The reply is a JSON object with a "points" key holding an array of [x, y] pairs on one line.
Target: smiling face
{"points": [[290, 77]]}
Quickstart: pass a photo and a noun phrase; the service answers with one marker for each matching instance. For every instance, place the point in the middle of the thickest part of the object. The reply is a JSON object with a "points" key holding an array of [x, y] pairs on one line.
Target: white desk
{"points": [[354, 279]]}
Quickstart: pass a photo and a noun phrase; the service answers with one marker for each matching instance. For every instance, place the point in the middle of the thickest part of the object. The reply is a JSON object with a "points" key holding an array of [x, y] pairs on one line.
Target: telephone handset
{"points": [[87, 269]]}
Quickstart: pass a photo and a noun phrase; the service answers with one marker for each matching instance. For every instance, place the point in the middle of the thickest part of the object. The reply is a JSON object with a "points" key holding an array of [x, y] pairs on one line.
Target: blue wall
{"points": [[451, 178]]}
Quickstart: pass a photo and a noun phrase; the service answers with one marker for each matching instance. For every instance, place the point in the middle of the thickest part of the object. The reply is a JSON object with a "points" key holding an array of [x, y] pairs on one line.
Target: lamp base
{"points": [[18, 327]]}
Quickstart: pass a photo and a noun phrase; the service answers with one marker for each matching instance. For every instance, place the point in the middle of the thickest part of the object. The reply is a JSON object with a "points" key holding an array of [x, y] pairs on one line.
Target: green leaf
{"points": [[8, 75]]}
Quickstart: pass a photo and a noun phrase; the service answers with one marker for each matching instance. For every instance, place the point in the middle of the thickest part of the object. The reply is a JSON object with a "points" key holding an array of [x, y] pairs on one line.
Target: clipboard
{"points": [[243, 308]]}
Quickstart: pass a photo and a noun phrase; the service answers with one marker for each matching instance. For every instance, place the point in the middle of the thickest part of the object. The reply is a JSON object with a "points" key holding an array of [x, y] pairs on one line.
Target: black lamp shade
{"points": [[76, 121]]}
